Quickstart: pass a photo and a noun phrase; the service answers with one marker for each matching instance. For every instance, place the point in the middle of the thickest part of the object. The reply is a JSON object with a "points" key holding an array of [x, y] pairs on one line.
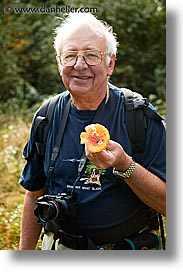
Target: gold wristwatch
{"points": [[127, 173]]}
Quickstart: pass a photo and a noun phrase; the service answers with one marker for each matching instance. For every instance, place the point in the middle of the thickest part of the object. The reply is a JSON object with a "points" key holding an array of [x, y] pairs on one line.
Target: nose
{"points": [[80, 63]]}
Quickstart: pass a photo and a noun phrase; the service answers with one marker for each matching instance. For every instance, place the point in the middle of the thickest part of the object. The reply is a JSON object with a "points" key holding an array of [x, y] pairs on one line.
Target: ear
{"points": [[111, 64], [59, 66]]}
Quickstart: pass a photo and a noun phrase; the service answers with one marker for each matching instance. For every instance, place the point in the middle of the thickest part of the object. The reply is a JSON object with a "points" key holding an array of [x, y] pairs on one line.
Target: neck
{"points": [[89, 103]]}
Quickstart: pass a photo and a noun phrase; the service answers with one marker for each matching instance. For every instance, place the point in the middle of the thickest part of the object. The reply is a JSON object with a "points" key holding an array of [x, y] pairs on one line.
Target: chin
{"points": [[79, 90]]}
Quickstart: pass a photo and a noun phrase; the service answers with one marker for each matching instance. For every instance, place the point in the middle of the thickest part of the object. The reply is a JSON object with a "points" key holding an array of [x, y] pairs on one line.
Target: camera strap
{"points": [[58, 142], [59, 139]]}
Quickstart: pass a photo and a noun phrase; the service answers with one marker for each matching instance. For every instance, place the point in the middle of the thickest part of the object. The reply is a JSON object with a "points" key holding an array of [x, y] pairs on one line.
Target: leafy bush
{"points": [[28, 66]]}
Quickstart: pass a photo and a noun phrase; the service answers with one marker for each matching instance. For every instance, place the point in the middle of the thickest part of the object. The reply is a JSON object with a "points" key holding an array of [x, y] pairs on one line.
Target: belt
{"points": [[75, 242], [140, 241], [109, 235]]}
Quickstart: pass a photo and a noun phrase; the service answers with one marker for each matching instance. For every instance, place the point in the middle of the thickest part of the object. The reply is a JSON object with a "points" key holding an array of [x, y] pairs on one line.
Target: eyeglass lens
{"points": [[92, 57]]}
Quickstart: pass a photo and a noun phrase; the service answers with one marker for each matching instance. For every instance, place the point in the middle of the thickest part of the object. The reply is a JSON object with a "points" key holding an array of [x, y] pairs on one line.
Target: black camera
{"points": [[53, 207]]}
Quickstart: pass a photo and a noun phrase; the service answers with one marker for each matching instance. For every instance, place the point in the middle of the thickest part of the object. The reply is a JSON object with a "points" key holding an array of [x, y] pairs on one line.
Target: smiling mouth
{"points": [[82, 77]]}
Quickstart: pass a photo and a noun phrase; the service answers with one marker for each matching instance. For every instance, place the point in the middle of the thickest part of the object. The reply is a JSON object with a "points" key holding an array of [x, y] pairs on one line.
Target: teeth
{"points": [[84, 77]]}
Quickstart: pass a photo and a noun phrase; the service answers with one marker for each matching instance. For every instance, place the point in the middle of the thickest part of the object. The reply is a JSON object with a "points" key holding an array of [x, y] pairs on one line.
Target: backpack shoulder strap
{"points": [[136, 107], [43, 122], [137, 110]]}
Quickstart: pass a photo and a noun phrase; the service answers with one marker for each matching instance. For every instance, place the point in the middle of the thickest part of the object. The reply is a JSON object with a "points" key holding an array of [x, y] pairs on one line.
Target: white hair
{"points": [[75, 21]]}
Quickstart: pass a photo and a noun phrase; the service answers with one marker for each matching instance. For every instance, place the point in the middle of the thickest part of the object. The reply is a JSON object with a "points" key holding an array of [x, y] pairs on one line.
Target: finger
{"points": [[86, 150]]}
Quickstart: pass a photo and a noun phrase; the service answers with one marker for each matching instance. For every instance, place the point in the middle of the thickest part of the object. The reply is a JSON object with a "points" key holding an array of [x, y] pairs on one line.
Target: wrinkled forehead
{"points": [[84, 36]]}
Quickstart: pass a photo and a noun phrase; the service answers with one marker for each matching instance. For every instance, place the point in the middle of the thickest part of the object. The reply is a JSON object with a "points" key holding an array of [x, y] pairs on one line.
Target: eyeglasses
{"points": [[91, 57]]}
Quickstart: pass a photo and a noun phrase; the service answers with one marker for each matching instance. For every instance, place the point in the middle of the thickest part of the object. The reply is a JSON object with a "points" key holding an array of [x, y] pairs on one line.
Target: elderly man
{"points": [[113, 208]]}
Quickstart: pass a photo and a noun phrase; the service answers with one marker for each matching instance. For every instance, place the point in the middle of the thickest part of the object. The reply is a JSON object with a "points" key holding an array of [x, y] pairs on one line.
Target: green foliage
{"points": [[28, 67]]}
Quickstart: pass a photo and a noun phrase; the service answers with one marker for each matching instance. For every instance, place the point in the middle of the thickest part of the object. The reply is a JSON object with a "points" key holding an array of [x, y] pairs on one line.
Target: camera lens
{"points": [[48, 211]]}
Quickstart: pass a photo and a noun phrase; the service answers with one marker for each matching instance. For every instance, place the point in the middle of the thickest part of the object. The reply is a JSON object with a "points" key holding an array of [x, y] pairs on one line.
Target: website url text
{"points": [[54, 9]]}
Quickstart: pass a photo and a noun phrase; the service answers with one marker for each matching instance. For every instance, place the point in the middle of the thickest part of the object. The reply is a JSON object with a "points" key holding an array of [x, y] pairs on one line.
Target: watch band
{"points": [[127, 173]]}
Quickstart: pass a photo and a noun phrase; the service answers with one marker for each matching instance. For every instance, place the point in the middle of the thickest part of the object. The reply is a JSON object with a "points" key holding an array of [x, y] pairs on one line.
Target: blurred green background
{"points": [[28, 75]]}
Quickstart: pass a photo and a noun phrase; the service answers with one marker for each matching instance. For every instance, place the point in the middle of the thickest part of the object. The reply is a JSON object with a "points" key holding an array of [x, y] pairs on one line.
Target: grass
{"points": [[13, 135]]}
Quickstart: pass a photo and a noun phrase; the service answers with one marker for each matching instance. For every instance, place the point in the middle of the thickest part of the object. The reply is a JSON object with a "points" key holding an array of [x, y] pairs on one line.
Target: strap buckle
{"points": [[142, 103]]}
